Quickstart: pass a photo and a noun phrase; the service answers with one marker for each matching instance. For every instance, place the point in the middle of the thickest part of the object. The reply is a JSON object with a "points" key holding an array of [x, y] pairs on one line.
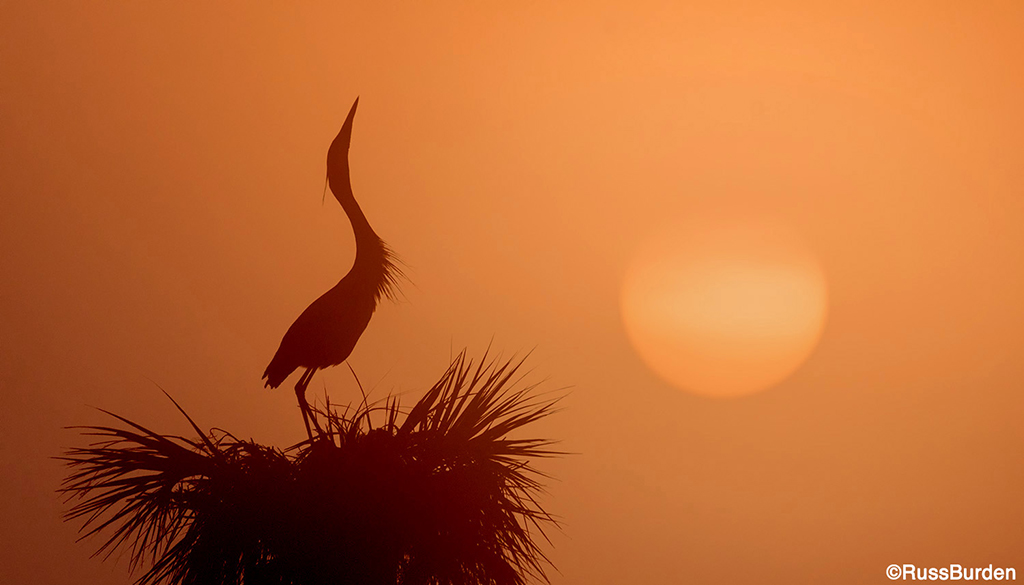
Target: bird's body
{"points": [[323, 336], [327, 331]]}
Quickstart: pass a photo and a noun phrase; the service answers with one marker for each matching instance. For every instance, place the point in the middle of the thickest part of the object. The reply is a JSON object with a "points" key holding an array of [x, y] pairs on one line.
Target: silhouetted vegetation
{"points": [[439, 494]]}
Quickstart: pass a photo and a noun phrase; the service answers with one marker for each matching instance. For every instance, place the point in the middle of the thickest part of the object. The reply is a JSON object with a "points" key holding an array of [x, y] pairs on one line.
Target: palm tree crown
{"points": [[439, 494]]}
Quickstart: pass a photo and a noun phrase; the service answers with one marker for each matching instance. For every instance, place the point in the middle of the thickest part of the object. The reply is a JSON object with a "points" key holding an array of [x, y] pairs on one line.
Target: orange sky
{"points": [[161, 219]]}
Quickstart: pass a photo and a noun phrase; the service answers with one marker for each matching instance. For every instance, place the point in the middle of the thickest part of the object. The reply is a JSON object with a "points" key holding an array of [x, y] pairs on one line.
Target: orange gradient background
{"points": [[161, 219]]}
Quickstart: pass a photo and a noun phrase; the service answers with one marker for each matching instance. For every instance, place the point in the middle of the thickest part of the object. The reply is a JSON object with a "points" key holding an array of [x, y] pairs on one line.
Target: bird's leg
{"points": [[300, 393], [312, 415]]}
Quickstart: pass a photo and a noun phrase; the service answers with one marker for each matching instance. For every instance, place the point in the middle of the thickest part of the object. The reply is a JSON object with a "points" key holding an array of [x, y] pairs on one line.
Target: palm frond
{"points": [[441, 494]]}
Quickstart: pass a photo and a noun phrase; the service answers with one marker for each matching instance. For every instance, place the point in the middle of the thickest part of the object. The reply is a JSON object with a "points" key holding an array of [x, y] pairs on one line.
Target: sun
{"points": [[724, 307]]}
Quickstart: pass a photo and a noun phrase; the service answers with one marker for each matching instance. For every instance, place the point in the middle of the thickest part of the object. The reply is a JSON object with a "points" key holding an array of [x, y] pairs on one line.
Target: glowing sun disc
{"points": [[724, 307]]}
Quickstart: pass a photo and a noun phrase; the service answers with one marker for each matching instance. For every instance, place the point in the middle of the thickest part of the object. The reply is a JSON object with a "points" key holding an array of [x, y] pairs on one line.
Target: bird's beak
{"points": [[337, 154], [346, 128]]}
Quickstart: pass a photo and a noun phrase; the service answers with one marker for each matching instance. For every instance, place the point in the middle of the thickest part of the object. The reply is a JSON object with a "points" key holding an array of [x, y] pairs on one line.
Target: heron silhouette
{"points": [[327, 331]]}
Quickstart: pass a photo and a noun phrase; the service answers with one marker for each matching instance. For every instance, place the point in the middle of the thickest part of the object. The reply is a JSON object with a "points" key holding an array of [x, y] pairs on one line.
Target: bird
{"points": [[326, 332]]}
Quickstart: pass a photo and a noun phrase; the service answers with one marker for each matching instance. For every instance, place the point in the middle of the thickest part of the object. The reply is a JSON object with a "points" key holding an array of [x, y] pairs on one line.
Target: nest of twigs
{"points": [[439, 494]]}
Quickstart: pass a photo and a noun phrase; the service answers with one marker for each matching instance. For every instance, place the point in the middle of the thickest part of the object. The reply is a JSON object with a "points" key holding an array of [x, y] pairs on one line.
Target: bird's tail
{"points": [[276, 373]]}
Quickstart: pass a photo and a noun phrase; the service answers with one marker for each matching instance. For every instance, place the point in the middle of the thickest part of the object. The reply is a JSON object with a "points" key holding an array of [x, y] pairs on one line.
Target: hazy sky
{"points": [[161, 221]]}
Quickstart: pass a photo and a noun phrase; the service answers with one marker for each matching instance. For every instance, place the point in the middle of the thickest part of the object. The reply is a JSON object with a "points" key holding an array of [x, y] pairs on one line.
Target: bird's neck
{"points": [[369, 247], [373, 265], [360, 225]]}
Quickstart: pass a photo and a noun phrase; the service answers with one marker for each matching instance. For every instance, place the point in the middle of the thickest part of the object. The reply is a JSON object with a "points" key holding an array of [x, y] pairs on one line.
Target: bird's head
{"points": [[337, 154]]}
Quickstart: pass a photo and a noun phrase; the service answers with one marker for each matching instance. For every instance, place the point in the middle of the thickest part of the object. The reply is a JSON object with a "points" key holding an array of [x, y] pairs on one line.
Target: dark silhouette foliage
{"points": [[439, 494]]}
